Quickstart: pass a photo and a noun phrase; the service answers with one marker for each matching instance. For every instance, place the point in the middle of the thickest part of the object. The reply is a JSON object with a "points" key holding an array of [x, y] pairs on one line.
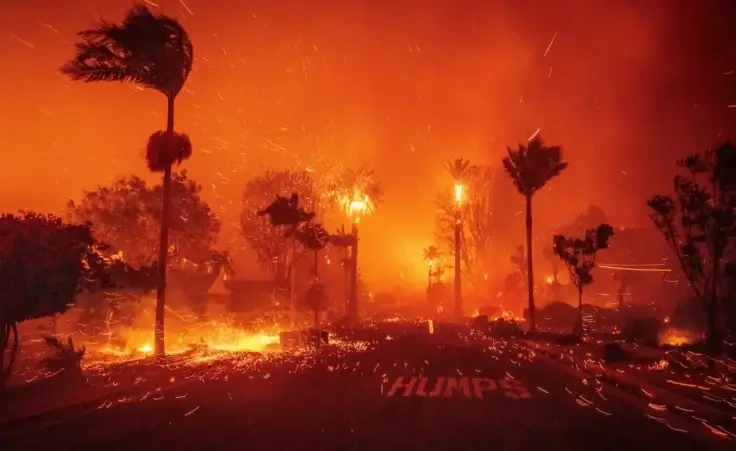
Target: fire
{"points": [[506, 315], [211, 335], [678, 337], [550, 279]]}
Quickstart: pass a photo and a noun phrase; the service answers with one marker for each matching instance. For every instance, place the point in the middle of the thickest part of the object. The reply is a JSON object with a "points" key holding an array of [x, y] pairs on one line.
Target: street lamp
{"points": [[458, 230]]}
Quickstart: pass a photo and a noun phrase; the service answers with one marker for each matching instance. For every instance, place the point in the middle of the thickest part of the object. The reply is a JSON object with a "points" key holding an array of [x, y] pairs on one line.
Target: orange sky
{"points": [[401, 86]]}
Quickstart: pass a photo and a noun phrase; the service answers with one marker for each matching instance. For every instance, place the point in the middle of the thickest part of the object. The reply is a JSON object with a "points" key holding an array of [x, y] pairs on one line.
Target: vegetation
{"points": [[699, 224], [530, 168], [65, 357], [127, 217], [44, 264], [431, 255], [153, 51], [579, 258], [267, 237]]}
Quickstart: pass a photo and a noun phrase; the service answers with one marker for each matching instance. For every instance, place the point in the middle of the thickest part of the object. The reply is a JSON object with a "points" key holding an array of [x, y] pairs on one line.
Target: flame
{"points": [[357, 206], [549, 279], [458, 193], [212, 335], [678, 337]]}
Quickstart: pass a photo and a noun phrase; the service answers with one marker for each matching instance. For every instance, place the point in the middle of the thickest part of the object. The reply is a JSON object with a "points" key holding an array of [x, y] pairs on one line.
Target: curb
{"points": [[687, 406]]}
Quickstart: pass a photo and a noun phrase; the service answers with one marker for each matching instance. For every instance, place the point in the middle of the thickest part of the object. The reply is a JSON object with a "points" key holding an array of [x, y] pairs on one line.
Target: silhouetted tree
{"points": [[316, 299], [699, 224], [430, 255], [579, 258], [530, 168], [315, 238], [343, 241], [126, 216], [44, 265], [153, 51], [270, 243], [350, 183]]}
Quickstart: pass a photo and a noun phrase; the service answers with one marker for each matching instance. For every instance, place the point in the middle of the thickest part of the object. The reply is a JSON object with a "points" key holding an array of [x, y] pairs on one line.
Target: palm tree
{"points": [[461, 170], [344, 240], [153, 51], [430, 255], [530, 168]]}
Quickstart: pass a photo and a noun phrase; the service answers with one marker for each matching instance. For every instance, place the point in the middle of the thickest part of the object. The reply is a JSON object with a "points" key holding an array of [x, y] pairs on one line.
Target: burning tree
{"points": [[351, 184], [44, 265], [579, 258], [481, 228], [699, 225], [530, 168], [270, 242]]}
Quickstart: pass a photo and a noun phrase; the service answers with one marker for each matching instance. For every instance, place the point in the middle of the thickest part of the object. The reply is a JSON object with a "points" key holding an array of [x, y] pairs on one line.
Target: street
{"points": [[412, 392]]}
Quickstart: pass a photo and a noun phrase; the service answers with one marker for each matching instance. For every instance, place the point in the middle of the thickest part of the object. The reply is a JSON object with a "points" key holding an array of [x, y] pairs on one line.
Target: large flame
{"points": [[673, 336]]}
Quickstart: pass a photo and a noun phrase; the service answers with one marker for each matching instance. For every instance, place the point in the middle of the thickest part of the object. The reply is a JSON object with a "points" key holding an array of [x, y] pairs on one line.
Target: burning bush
{"points": [[675, 336], [65, 357]]}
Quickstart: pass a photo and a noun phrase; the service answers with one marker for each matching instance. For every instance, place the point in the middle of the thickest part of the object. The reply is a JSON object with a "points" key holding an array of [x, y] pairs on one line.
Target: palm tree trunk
{"points": [[292, 283], [163, 246], [580, 310], [353, 303], [529, 265]]}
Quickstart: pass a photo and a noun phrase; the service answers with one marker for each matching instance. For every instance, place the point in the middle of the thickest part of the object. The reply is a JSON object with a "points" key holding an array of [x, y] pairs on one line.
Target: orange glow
{"points": [[458, 194], [214, 335], [321, 88], [549, 279]]}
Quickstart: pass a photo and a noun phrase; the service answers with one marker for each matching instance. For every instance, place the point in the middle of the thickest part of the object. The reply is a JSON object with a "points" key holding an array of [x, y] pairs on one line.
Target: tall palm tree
{"points": [[430, 255], [461, 171], [530, 168], [155, 52]]}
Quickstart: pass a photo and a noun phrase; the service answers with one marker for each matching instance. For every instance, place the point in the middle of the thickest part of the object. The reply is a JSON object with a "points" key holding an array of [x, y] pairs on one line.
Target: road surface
{"points": [[414, 392]]}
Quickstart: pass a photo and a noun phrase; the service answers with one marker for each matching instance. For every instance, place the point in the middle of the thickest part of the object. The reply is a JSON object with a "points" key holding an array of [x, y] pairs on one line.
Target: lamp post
{"points": [[356, 209], [458, 231]]}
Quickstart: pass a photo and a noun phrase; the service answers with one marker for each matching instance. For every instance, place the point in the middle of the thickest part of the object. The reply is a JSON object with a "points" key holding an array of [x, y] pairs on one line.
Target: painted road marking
{"points": [[464, 387]]}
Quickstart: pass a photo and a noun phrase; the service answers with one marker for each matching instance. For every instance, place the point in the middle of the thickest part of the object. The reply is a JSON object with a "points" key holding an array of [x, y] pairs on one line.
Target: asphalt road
{"points": [[418, 392]]}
